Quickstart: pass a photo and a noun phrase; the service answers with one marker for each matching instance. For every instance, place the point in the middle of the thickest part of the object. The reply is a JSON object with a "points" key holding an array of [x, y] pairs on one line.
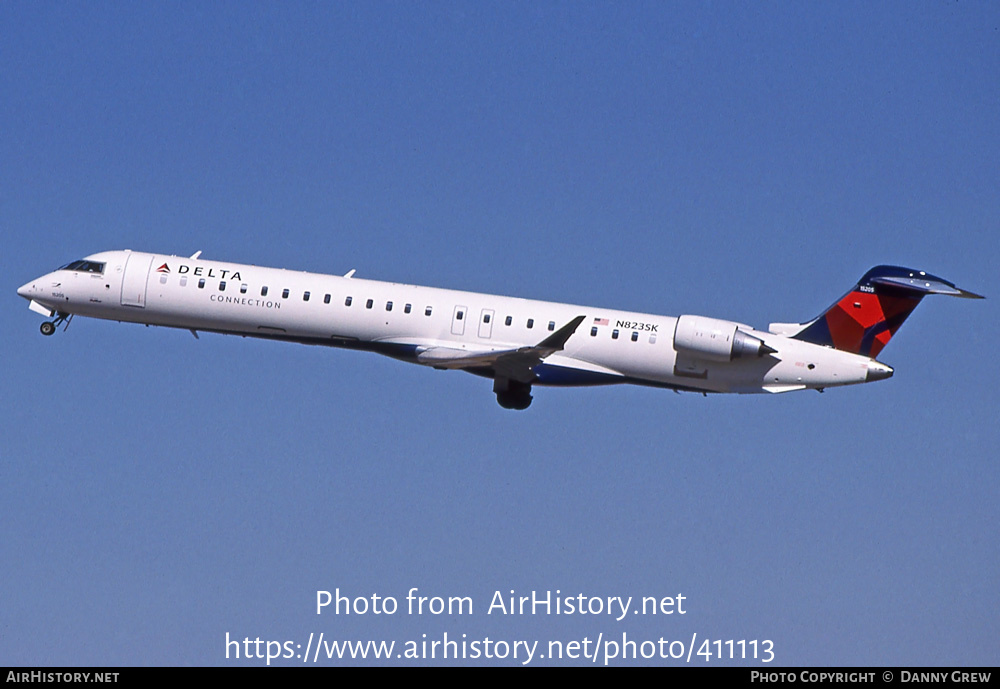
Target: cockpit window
{"points": [[85, 267]]}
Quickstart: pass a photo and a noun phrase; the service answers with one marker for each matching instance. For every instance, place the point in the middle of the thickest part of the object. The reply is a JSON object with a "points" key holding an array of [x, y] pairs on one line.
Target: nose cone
{"points": [[877, 371], [25, 290]]}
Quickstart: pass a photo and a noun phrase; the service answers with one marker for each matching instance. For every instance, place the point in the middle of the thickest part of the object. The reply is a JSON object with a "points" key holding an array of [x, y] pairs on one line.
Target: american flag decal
{"points": [[600, 321], [163, 269]]}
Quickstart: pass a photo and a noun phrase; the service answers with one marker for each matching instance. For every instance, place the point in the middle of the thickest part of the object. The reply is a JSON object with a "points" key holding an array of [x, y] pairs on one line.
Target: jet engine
{"points": [[711, 339]]}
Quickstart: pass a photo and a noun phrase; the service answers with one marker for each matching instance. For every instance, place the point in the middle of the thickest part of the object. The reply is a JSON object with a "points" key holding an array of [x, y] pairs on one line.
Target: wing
{"points": [[515, 364]]}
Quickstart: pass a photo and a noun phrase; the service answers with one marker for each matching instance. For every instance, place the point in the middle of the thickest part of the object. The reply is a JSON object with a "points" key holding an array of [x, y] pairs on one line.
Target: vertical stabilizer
{"points": [[865, 319]]}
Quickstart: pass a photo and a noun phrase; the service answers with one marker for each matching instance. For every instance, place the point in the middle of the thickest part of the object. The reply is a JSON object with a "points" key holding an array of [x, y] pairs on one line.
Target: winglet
{"points": [[514, 364], [557, 340]]}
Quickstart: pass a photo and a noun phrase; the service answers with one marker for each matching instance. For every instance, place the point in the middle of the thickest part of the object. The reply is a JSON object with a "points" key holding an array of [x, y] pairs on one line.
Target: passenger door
{"points": [[134, 281]]}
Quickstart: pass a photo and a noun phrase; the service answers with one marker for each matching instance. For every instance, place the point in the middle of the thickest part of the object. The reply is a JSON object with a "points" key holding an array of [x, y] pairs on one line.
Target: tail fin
{"points": [[865, 319]]}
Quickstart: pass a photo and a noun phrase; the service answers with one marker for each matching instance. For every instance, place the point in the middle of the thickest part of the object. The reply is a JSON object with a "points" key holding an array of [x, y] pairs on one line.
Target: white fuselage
{"points": [[419, 323]]}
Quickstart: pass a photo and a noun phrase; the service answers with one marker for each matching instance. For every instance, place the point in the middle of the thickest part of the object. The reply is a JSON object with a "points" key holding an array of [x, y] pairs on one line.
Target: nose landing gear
{"points": [[49, 327]]}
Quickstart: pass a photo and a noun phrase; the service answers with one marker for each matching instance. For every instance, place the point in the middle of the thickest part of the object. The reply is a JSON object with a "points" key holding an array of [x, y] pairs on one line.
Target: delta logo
{"points": [[199, 271]]}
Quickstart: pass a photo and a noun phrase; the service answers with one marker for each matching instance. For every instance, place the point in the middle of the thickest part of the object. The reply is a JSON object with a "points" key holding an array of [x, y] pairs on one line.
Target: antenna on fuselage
{"points": [[195, 255]]}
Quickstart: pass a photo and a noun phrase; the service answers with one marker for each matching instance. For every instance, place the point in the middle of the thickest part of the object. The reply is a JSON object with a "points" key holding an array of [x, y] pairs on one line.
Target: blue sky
{"points": [[744, 161]]}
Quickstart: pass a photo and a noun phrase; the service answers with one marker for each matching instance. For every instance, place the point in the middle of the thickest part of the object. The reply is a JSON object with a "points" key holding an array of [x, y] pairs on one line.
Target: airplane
{"points": [[518, 343]]}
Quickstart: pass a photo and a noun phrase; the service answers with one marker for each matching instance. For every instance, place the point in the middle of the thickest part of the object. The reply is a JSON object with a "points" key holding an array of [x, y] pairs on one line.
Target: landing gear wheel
{"points": [[512, 394], [48, 328], [514, 400]]}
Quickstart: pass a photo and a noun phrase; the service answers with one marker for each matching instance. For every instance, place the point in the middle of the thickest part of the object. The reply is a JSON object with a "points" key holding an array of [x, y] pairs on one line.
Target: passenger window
{"points": [[552, 325], [486, 318], [326, 299], [243, 288], [614, 334], [593, 331], [427, 311], [531, 323], [369, 303], [406, 309], [388, 306], [460, 315], [305, 296], [635, 336], [263, 291], [184, 281], [201, 283], [163, 279], [347, 302], [284, 293], [508, 320], [222, 285], [652, 338]]}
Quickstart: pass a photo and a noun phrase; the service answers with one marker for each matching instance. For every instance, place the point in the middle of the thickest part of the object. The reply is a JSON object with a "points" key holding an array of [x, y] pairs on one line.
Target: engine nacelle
{"points": [[711, 339]]}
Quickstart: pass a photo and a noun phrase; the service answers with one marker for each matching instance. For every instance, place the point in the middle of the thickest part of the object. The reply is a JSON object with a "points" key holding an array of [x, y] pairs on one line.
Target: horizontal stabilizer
{"points": [[786, 329], [922, 283]]}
